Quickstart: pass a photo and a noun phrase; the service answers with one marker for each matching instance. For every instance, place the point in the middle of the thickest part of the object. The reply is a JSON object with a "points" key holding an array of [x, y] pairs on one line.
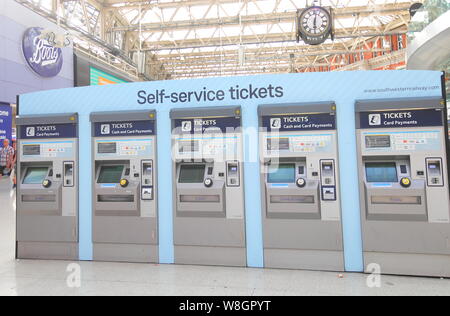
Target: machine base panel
{"points": [[318, 260], [213, 256], [409, 264], [47, 251], [126, 253]]}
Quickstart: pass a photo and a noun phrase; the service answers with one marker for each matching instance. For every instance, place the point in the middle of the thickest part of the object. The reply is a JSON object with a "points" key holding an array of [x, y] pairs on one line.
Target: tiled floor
{"points": [[50, 277]]}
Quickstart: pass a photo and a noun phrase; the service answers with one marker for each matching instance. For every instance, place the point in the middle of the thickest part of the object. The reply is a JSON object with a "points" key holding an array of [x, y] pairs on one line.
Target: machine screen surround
{"points": [[282, 173], [192, 173], [35, 175], [381, 172], [110, 174]]}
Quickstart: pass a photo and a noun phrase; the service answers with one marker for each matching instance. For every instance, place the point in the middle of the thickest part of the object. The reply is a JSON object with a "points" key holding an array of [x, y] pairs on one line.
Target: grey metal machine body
{"points": [[300, 187], [125, 204], [209, 217], [47, 187], [403, 173]]}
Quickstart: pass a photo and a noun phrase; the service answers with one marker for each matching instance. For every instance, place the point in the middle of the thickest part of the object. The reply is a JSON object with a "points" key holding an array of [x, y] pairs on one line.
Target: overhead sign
{"points": [[5, 121], [404, 118], [207, 125], [48, 131], [43, 58], [299, 122], [123, 129]]}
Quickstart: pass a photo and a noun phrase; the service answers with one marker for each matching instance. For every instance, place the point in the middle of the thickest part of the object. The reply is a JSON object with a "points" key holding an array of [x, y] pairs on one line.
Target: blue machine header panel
{"points": [[124, 129], [299, 122], [404, 118], [207, 125], [48, 131]]}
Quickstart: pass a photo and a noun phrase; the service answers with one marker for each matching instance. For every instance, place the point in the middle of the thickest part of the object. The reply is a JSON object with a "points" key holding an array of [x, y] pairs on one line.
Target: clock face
{"points": [[315, 22]]}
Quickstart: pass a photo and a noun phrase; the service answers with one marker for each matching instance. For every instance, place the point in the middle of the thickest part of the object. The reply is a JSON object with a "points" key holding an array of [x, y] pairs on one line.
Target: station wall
{"points": [[16, 77]]}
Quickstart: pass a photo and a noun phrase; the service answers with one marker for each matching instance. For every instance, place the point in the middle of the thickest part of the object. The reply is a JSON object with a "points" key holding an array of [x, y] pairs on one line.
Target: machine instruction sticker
{"points": [[207, 125], [320, 143], [52, 149], [405, 118], [129, 147], [299, 122], [402, 141], [48, 131], [125, 129]]}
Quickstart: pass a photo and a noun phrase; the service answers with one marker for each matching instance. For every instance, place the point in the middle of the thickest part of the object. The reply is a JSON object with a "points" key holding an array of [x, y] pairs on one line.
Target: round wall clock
{"points": [[315, 25]]}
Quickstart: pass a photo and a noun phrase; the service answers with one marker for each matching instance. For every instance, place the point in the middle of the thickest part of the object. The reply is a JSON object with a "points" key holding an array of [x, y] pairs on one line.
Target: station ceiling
{"points": [[204, 38]]}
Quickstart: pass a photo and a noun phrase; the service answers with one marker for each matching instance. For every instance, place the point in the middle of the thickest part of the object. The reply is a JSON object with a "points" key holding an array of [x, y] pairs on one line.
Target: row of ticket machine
{"points": [[403, 185]]}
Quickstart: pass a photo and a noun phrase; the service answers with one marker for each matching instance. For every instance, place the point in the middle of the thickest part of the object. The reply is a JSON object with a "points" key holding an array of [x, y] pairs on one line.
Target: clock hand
{"points": [[315, 22]]}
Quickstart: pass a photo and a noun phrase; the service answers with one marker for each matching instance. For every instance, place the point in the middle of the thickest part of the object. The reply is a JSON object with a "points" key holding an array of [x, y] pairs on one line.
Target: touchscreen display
{"points": [[35, 175], [381, 172], [282, 173], [110, 174], [192, 174]]}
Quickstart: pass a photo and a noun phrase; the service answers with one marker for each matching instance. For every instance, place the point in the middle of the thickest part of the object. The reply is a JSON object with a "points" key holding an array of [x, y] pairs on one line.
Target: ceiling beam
{"points": [[276, 17]]}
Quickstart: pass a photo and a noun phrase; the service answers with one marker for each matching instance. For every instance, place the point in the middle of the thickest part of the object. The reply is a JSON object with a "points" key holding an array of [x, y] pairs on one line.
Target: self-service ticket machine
{"points": [[404, 186], [300, 187], [209, 225], [125, 221], [47, 187]]}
